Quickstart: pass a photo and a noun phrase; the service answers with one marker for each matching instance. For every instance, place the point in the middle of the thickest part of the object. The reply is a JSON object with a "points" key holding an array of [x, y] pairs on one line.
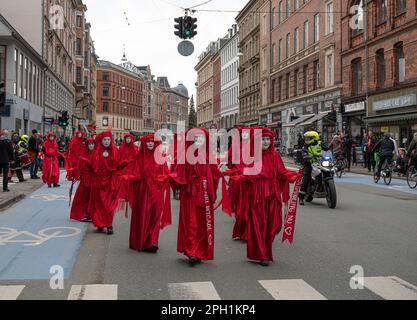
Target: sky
{"points": [[150, 39]]}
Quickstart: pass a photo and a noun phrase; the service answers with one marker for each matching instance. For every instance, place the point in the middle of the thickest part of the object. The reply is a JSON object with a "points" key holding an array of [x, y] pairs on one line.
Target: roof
{"points": [[182, 90]]}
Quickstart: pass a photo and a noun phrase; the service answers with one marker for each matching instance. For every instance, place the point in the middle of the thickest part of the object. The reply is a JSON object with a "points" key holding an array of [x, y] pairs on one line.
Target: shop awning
{"points": [[298, 120], [316, 118], [391, 118]]}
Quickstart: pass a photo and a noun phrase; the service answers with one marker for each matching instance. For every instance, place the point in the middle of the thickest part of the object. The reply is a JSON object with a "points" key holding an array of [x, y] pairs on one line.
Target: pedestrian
{"points": [[79, 208], [75, 151], [347, 146], [269, 189], [151, 208], [16, 165], [62, 147], [6, 156], [197, 182], [50, 173], [33, 152], [104, 192], [127, 151], [370, 145]]}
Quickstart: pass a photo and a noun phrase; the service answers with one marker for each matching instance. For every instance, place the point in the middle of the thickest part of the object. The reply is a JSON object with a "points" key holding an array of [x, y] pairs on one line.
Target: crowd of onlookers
{"points": [[21, 152]]}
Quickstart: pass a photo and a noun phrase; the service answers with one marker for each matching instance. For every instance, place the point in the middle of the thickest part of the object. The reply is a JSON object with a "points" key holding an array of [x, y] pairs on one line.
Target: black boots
{"points": [[153, 249], [110, 230], [193, 261]]}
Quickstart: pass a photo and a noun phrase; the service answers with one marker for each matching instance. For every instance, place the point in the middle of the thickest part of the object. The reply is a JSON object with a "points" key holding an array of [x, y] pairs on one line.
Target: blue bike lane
{"points": [[36, 234]]}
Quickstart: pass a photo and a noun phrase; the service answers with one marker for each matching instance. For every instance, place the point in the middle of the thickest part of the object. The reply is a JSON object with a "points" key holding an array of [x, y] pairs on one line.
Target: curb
{"points": [[12, 201]]}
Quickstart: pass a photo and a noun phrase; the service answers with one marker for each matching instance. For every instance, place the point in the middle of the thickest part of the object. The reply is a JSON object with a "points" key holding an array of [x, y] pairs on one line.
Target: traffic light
{"points": [[2, 96], [190, 27], [179, 27], [64, 120]]}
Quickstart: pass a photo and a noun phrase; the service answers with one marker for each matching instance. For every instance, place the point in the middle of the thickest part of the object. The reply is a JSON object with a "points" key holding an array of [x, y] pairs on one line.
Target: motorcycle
{"points": [[322, 178]]}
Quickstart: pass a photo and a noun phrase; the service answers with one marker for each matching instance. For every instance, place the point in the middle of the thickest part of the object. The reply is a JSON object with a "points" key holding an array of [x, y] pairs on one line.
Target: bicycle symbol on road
{"points": [[49, 197], [10, 235]]}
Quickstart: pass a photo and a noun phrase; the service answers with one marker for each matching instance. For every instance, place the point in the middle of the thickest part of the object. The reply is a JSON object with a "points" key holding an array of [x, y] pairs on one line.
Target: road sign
{"points": [[186, 48], [49, 121]]}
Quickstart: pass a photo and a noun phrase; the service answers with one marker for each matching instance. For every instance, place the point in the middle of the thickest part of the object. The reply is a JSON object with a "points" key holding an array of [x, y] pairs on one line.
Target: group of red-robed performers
{"points": [[109, 176]]}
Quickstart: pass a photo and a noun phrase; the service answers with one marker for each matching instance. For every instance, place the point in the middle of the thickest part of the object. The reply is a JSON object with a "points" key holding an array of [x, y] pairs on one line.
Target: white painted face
{"points": [[150, 145], [80, 135], [199, 140], [245, 135], [91, 146], [52, 138], [128, 140], [266, 143], [106, 142]]}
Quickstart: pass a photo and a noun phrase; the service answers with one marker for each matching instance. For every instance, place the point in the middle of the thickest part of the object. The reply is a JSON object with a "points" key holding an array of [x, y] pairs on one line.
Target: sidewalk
{"points": [[19, 190]]}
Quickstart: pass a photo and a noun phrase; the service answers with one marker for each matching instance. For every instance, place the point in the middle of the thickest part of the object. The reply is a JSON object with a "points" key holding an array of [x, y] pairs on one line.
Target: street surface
{"points": [[374, 227]]}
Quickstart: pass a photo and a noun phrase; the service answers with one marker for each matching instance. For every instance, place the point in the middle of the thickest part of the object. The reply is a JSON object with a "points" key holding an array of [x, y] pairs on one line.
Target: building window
{"points": [[380, 63], [287, 86], [400, 6], [288, 8], [273, 55], [288, 46], [295, 82], [78, 47], [357, 76], [305, 79], [296, 41], [359, 18], [105, 107], [297, 4], [78, 76], [316, 28], [106, 92], [281, 12], [316, 74], [279, 89], [306, 35], [273, 17], [79, 20], [399, 62], [329, 68], [106, 76], [16, 66], [382, 10], [329, 15]]}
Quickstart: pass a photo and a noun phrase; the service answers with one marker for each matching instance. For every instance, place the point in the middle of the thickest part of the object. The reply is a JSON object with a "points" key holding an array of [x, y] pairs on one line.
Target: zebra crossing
{"points": [[388, 288]]}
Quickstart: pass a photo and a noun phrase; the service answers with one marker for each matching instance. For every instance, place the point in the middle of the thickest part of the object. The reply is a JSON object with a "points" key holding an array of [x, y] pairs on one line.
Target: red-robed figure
{"points": [[127, 152], [197, 182], [151, 209], [238, 160], [79, 208], [104, 189], [269, 190], [50, 166], [76, 150]]}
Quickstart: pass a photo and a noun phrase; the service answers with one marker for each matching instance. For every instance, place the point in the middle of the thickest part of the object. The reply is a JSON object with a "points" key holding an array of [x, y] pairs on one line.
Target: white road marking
{"points": [[391, 288], [193, 291], [291, 289], [10, 292], [93, 292]]}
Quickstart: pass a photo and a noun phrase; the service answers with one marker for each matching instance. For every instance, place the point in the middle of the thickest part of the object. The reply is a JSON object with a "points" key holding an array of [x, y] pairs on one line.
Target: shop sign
{"points": [[310, 109], [105, 122], [352, 107], [384, 129], [399, 102]]}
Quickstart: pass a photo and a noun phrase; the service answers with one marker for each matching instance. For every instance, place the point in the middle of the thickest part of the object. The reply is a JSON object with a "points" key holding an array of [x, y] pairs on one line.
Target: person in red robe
{"points": [[76, 149], [269, 190], [104, 189], [127, 152], [151, 209], [238, 187], [79, 208], [197, 184], [50, 171]]}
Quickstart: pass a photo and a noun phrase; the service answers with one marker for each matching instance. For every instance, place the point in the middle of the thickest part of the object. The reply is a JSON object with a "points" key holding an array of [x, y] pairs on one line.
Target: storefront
{"points": [[396, 113], [353, 119], [273, 122]]}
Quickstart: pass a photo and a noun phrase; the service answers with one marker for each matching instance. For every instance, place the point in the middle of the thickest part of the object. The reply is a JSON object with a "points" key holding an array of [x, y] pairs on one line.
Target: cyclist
{"points": [[412, 151], [386, 148], [313, 145]]}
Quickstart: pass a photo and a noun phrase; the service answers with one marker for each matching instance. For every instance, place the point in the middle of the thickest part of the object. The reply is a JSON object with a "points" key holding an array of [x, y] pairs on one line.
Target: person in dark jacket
{"points": [[386, 149], [34, 149], [347, 146], [6, 156], [16, 165]]}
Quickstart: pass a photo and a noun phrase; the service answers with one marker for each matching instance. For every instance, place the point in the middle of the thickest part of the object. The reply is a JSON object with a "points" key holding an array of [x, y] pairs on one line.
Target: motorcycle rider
{"points": [[386, 149], [313, 145]]}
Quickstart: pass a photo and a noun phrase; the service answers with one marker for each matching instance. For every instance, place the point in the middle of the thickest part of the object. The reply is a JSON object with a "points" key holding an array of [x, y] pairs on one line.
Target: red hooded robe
{"points": [[50, 166], [151, 210], [268, 191], [76, 149], [198, 185], [79, 209], [127, 151]]}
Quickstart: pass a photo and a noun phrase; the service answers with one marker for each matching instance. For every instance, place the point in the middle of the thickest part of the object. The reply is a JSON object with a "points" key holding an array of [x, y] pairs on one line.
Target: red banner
{"points": [[289, 225]]}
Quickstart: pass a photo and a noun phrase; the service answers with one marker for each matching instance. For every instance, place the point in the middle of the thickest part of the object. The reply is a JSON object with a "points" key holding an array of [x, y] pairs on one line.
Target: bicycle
{"points": [[340, 165], [412, 177], [386, 173]]}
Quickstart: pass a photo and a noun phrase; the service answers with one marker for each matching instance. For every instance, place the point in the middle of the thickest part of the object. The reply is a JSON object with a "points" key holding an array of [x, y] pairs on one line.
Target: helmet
{"points": [[311, 137], [25, 138]]}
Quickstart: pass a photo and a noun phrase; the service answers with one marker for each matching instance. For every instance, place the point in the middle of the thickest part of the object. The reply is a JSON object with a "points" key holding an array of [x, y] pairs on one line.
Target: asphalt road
{"points": [[373, 227]]}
